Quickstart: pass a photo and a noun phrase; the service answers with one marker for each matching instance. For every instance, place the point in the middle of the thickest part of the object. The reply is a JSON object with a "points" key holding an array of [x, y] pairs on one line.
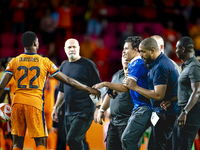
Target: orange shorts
{"points": [[26, 116]]}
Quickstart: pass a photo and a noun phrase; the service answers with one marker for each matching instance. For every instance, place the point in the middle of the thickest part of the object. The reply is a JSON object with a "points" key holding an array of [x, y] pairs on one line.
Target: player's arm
{"points": [[59, 102], [157, 94], [6, 78], [71, 82], [114, 86], [194, 96]]}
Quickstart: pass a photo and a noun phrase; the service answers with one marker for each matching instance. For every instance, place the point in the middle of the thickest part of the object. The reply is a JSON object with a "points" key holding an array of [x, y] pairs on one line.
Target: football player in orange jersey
{"points": [[29, 70], [49, 98], [6, 141]]}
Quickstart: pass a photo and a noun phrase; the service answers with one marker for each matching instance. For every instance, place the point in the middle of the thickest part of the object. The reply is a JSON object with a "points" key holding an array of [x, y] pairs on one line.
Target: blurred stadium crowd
{"points": [[100, 26]]}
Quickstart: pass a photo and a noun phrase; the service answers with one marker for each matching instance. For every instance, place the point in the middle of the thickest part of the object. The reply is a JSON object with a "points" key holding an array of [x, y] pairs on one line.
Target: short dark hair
{"points": [[134, 40], [186, 42], [150, 43], [28, 38]]}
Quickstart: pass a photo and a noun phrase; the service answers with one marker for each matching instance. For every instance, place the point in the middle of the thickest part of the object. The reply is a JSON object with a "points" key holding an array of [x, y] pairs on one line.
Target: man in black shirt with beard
{"points": [[79, 108]]}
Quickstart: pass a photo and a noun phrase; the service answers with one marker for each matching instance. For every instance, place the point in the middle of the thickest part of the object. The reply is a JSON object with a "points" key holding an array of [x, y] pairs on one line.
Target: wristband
{"points": [[56, 107], [98, 106], [101, 110], [184, 111]]}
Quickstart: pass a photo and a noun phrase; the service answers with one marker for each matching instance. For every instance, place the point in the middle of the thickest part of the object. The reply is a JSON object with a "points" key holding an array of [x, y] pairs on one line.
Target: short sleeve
{"points": [[93, 75], [61, 86], [135, 71], [52, 69], [9, 68], [160, 76], [194, 74]]}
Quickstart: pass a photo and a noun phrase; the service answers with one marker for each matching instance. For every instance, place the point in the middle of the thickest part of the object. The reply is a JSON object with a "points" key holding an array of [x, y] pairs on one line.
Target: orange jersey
{"points": [[29, 72], [49, 94]]}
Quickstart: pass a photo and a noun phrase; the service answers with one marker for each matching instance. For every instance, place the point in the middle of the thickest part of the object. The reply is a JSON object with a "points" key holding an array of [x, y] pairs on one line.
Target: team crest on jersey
{"points": [[54, 66]]}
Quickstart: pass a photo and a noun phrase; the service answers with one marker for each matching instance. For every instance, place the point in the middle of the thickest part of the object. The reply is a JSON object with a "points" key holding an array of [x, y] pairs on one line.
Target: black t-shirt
{"points": [[122, 105], [86, 72]]}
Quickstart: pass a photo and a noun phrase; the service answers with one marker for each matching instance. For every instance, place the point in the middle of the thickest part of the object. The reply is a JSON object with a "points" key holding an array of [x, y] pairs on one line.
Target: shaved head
{"points": [[159, 41], [71, 41], [150, 43], [72, 49]]}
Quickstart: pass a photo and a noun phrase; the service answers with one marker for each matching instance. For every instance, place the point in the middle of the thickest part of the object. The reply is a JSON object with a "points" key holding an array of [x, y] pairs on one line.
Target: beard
{"points": [[72, 56], [147, 61]]}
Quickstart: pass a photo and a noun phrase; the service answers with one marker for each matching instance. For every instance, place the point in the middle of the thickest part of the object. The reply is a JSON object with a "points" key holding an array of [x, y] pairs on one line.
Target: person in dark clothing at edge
{"points": [[79, 108], [188, 120]]}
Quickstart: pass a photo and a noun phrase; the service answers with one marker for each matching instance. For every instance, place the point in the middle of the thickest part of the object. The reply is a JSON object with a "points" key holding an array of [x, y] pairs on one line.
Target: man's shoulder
{"points": [[137, 62], [86, 60], [118, 73]]}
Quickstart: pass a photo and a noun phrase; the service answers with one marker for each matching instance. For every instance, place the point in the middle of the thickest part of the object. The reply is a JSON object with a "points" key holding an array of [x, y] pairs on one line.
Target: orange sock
{"points": [[16, 148], [41, 147]]}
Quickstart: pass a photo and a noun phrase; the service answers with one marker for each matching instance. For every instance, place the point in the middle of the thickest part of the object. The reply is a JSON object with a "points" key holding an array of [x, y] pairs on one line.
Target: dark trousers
{"points": [[76, 128], [183, 138], [138, 122], [113, 138], [161, 133]]}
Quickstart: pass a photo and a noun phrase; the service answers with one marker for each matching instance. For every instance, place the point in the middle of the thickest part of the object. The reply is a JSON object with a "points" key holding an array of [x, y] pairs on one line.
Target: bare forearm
{"points": [[4, 81], [150, 94], [192, 100], [106, 103], [60, 99], [69, 81], [116, 86]]}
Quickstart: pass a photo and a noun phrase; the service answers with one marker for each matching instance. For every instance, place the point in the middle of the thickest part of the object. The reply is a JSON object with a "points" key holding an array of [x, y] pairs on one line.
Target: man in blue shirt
{"points": [[162, 79], [139, 120]]}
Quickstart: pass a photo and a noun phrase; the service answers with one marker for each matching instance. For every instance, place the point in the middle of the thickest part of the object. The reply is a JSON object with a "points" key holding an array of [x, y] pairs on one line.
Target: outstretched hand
{"points": [[95, 92], [98, 85]]}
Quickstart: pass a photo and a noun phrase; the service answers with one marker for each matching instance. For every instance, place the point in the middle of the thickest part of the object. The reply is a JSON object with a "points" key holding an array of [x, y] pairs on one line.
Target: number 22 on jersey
{"points": [[27, 71]]}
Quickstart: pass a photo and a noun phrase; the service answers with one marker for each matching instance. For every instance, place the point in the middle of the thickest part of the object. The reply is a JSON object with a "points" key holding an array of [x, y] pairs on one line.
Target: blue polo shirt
{"points": [[163, 72], [138, 72]]}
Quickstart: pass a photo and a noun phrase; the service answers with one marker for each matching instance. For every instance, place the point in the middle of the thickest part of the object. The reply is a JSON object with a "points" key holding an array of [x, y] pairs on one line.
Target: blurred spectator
{"points": [[128, 32], [65, 20], [146, 32], [48, 27], [19, 10], [87, 48], [194, 32], [95, 16], [101, 59], [171, 35]]}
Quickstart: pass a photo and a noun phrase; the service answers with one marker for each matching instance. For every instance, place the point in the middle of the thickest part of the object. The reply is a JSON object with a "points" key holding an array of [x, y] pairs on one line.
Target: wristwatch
{"points": [[98, 106], [184, 111], [56, 107]]}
